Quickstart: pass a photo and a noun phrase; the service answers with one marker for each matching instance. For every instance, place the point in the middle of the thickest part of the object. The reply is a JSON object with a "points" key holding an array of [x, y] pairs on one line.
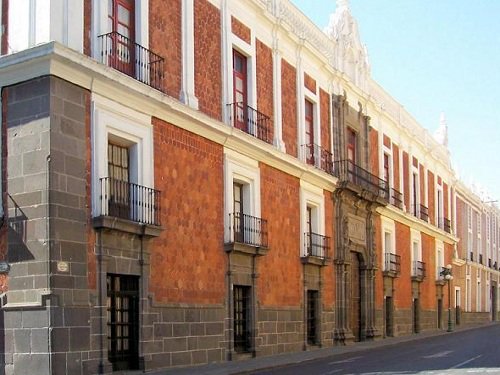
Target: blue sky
{"points": [[437, 56]]}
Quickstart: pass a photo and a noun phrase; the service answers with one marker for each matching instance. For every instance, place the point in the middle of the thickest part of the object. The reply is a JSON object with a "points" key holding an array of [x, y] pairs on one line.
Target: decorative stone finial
{"points": [[342, 4], [441, 133]]}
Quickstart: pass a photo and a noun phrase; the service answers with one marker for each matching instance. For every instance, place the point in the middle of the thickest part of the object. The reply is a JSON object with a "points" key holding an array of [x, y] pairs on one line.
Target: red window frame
{"points": [[309, 128], [240, 91], [123, 56], [351, 145]]}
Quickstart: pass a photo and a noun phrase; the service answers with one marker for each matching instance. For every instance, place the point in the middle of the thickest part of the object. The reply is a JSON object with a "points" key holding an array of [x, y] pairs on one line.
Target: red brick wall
{"points": [[309, 83], [462, 229], [5, 23], [387, 141], [207, 58], [373, 149], [432, 203], [280, 281], [289, 107], [264, 58], [428, 286], [87, 19], [402, 285], [395, 167], [324, 100], [406, 181], [241, 30], [328, 276], [182, 269], [165, 39]]}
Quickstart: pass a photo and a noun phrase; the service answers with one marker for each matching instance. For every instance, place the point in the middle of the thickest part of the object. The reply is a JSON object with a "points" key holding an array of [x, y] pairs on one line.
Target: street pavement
{"points": [[468, 350]]}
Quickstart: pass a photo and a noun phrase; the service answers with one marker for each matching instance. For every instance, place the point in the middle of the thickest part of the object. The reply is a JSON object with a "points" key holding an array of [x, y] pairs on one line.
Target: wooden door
{"points": [[240, 87], [121, 18], [355, 297]]}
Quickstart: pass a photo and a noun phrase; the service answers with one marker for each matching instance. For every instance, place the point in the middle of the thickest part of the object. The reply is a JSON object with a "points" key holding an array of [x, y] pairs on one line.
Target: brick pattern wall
{"points": [[87, 21], [165, 39], [188, 170], [309, 83], [428, 299], [264, 60], [242, 31], [324, 100], [402, 284], [207, 58], [395, 167], [280, 278], [387, 141], [373, 152], [462, 230], [289, 107]]}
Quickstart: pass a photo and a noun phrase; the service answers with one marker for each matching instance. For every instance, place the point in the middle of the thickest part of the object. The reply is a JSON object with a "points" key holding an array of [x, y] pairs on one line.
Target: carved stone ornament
{"points": [[357, 229]]}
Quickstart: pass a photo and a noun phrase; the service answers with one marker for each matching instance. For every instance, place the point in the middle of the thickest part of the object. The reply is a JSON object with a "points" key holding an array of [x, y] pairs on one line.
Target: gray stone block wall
{"points": [[280, 331], [46, 122]]}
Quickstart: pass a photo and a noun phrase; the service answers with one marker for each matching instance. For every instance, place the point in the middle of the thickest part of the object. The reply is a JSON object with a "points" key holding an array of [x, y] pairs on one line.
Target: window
{"points": [[440, 209], [243, 223], [351, 145], [123, 321], [391, 261], [469, 233], [387, 169], [122, 162], [315, 243], [418, 267], [121, 21], [468, 293], [312, 317], [416, 195], [241, 318], [479, 237], [439, 259], [240, 92], [309, 128]]}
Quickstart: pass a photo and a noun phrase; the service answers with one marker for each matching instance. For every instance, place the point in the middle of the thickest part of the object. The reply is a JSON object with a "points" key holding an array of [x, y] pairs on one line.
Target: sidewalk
{"points": [[261, 363]]}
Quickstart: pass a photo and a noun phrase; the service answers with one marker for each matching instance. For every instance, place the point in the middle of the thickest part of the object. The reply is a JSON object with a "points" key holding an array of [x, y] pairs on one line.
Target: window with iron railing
{"points": [[348, 171], [418, 269], [392, 263], [316, 245], [247, 229], [318, 156], [250, 121]]}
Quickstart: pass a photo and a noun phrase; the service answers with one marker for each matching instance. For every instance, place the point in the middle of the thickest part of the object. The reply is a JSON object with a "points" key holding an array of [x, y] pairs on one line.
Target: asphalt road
{"points": [[467, 352]]}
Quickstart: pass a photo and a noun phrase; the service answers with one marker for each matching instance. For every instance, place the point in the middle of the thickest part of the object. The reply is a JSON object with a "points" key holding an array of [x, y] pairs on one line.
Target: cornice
{"points": [[57, 60]]}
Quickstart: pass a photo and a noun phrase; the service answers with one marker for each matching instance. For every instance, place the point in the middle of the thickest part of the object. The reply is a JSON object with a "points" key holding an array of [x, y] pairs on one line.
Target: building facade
{"points": [[187, 182]]}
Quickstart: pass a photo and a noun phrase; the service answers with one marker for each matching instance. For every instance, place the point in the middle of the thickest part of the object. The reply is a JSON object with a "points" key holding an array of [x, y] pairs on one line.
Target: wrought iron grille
{"points": [[251, 121], [392, 263], [316, 245], [348, 171], [129, 201], [126, 56], [318, 156], [396, 198], [312, 317], [248, 229], [418, 269]]}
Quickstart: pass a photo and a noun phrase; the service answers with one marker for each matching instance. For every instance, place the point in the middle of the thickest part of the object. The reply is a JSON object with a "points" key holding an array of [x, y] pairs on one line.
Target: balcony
{"points": [[132, 59], [315, 248], [392, 265], [444, 224], [247, 234], [396, 198], [251, 121], [418, 270], [318, 156], [128, 207], [349, 172], [420, 211]]}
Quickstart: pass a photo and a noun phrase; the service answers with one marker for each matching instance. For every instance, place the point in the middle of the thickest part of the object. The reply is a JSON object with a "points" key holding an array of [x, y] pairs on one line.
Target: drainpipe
{"points": [[49, 268]]}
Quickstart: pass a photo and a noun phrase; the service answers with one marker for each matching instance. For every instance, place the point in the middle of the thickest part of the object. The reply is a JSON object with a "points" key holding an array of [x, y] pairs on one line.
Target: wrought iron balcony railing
{"points": [[444, 224], [318, 156], [316, 245], [248, 230], [418, 269], [347, 171], [123, 54], [392, 263], [251, 121], [396, 198], [129, 201], [420, 211]]}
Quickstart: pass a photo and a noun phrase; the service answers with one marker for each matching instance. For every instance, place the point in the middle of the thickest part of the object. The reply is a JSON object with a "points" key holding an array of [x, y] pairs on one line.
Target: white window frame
{"points": [[439, 204], [239, 168], [311, 196], [415, 238], [113, 120], [386, 150], [388, 226], [313, 99], [415, 171], [100, 23], [439, 258]]}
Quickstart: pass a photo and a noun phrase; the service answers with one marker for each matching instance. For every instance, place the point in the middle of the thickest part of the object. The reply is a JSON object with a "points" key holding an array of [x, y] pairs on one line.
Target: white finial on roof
{"points": [[441, 134], [342, 4]]}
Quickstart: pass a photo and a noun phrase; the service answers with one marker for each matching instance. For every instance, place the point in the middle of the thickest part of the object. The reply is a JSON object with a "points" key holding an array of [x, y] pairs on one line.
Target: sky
{"points": [[437, 56]]}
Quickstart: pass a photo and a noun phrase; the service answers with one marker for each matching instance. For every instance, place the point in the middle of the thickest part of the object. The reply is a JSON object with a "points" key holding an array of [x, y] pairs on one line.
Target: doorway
{"points": [[355, 317], [416, 316], [389, 317]]}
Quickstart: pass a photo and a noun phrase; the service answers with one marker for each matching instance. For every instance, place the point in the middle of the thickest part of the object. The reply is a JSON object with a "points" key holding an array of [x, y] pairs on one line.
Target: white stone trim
{"points": [[312, 196], [187, 94], [238, 167], [439, 257], [415, 237], [388, 226], [277, 95], [113, 120]]}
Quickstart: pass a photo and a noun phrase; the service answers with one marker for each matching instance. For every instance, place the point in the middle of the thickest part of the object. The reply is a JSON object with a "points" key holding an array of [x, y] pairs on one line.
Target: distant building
{"points": [[187, 182]]}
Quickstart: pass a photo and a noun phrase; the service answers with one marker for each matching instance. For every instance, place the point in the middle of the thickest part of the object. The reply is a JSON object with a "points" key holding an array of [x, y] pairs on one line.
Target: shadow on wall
{"points": [[17, 224]]}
